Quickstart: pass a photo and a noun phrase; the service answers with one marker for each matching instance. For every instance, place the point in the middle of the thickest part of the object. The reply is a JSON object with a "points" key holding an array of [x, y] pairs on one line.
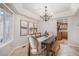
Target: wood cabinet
{"points": [[64, 35], [59, 36], [61, 26], [62, 30]]}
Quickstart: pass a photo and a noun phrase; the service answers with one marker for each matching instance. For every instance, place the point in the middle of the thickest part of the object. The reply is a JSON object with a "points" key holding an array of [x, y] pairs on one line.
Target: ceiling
{"points": [[34, 10], [52, 8]]}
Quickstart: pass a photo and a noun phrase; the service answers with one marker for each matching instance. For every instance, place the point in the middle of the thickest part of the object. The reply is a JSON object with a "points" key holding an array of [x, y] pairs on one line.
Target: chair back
{"points": [[33, 42]]}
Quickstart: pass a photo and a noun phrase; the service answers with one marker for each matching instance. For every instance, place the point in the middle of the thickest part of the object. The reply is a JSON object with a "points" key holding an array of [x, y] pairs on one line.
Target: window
{"points": [[4, 26]]}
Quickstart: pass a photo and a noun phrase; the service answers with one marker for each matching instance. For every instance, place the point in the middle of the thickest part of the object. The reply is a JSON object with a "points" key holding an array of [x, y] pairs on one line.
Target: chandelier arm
{"points": [[46, 17]]}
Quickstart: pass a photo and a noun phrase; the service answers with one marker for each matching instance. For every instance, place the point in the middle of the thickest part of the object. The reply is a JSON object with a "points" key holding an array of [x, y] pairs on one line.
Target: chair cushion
{"points": [[33, 42]]}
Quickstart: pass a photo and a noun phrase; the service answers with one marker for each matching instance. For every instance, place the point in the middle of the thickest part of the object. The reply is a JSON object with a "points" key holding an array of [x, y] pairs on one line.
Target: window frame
{"points": [[6, 31]]}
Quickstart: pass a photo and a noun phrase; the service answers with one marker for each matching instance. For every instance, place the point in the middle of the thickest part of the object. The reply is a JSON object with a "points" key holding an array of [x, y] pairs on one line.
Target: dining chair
{"points": [[33, 46], [55, 48]]}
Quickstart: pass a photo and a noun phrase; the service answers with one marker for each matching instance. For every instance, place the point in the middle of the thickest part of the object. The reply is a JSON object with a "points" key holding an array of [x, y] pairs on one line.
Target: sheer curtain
{"points": [[5, 19], [1, 26]]}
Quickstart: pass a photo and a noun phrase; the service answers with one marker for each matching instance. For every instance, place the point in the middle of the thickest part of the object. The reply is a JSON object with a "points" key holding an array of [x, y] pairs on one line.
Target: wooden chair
{"points": [[55, 47], [33, 46]]}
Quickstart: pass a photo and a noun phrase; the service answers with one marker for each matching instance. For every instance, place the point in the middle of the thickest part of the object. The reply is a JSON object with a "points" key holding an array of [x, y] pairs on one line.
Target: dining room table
{"points": [[47, 42]]}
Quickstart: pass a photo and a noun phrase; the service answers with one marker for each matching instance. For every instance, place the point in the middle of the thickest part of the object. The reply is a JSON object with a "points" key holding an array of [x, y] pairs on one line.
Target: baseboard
{"points": [[17, 48], [4, 44], [75, 45]]}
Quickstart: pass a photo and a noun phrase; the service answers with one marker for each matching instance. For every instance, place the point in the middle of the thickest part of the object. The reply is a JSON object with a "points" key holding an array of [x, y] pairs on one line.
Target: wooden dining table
{"points": [[48, 43]]}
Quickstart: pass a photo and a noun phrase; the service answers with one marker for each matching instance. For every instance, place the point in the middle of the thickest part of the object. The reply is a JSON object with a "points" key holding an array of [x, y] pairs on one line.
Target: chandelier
{"points": [[45, 17]]}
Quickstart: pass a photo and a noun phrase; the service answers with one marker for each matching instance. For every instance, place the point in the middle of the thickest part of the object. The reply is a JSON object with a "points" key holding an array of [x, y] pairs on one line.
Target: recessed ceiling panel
{"points": [[38, 8]]}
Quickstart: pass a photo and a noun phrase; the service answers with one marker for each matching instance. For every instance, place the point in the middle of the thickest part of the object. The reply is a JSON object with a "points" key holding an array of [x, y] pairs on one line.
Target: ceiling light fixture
{"points": [[46, 17]]}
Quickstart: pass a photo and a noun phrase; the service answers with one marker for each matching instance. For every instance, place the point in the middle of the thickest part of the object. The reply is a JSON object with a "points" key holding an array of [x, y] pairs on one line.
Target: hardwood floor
{"points": [[66, 50]]}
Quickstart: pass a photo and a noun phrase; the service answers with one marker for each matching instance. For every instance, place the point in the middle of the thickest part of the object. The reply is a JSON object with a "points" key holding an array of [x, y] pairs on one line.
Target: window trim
{"points": [[10, 39]]}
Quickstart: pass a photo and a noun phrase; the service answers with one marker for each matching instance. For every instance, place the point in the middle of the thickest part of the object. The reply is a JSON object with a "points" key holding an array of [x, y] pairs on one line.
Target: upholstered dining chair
{"points": [[33, 46]]}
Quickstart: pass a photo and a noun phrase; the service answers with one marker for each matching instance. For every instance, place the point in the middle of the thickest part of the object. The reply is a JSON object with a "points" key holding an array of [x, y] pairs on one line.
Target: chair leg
{"points": [[53, 53]]}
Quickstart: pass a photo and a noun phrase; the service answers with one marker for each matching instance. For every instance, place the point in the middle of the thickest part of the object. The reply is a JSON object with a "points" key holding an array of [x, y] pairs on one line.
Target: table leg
{"points": [[48, 49]]}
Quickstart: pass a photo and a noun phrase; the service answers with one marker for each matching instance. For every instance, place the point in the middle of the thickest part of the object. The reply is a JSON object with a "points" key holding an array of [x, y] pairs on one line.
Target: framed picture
{"points": [[35, 28], [31, 28], [35, 25], [23, 27]]}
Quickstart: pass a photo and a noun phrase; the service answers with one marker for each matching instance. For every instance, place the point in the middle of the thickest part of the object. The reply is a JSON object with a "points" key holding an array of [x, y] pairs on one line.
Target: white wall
{"points": [[73, 30], [15, 35], [50, 26]]}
